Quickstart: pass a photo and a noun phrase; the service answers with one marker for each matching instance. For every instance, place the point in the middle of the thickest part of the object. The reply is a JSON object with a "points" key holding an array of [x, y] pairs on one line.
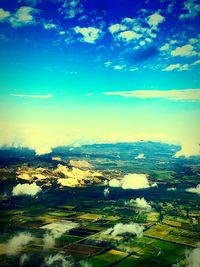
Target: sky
{"points": [[74, 72]]}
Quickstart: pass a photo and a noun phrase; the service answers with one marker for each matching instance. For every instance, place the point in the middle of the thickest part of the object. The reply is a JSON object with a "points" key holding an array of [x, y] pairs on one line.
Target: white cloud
{"points": [[55, 230], [114, 183], [177, 67], [128, 36], [26, 189], [4, 14], [106, 192], [193, 40], [135, 181], [129, 228], [195, 190], [23, 259], [33, 96], [140, 156], [184, 94], [155, 19], [24, 16], [118, 67], [192, 9], [193, 258], [49, 26], [117, 28], [90, 34], [184, 51], [188, 149], [58, 260], [140, 203], [17, 243], [171, 189], [131, 181]]}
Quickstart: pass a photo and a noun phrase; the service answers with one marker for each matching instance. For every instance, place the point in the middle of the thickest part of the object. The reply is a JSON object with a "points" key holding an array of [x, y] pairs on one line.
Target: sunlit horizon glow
{"points": [[98, 72]]}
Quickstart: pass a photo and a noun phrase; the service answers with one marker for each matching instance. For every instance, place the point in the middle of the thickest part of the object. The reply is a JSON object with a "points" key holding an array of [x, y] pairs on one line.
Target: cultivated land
{"points": [[170, 227]]}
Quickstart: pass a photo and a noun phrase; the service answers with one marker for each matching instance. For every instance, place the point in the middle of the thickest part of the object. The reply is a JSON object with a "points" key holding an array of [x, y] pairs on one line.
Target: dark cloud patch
{"points": [[142, 55]]}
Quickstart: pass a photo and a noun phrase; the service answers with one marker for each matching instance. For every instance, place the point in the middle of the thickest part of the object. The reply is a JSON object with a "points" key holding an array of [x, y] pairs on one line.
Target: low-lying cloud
{"points": [[195, 190], [129, 228], [58, 260], [56, 230], [140, 156], [26, 189], [15, 245], [131, 181], [140, 203]]}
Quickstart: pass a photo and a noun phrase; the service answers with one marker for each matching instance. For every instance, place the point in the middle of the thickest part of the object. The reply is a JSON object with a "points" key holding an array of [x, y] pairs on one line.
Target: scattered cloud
{"points": [[177, 67], [80, 164], [129, 228], [128, 36], [90, 34], [140, 156], [184, 51], [114, 183], [195, 190], [118, 67], [15, 245], [59, 259], [171, 189], [49, 26], [33, 96], [183, 95], [55, 230], [26, 189], [106, 192], [71, 8], [192, 258], [90, 94], [197, 62], [155, 19], [164, 47], [23, 259], [30, 2], [192, 9]]}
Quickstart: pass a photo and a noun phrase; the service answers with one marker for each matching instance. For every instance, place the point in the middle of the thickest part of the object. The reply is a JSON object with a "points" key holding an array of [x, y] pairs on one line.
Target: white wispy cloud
{"points": [[183, 95], [71, 8], [192, 9], [90, 34], [177, 67], [197, 62], [33, 96], [184, 51], [49, 26]]}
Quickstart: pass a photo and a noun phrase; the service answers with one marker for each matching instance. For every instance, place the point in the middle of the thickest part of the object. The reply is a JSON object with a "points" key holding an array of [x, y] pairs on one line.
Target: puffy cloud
{"points": [[24, 16], [184, 51], [131, 181], [26, 189], [129, 228], [33, 96], [155, 19], [114, 28], [195, 190], [114, 183], [128, 36], [192, 9], [184, 94], [188, 149], [55, 230], [90, 34], [58, 260], [17, 243], [118, 67], [140, 156], [177, 67], [140, 203], [135, 181], [4, 14], [193, 258]]}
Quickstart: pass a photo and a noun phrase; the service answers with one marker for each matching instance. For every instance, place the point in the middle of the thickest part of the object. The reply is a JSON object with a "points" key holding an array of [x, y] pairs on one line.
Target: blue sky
{"points": [[95, 71]]}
